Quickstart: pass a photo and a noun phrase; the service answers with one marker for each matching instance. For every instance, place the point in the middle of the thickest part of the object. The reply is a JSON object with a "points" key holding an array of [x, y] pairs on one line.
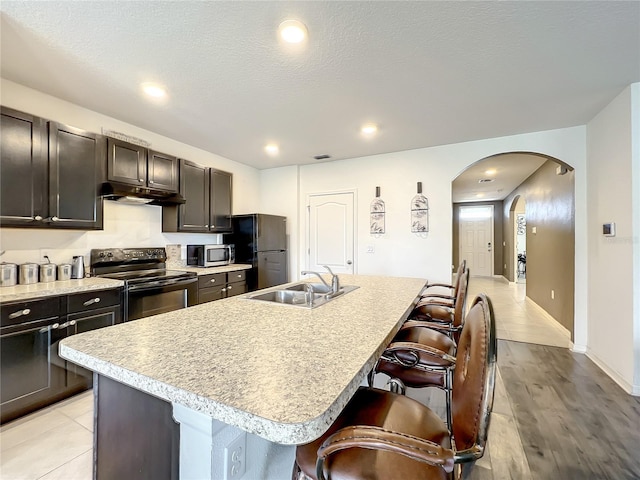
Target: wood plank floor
{"points": [[570, 420]]}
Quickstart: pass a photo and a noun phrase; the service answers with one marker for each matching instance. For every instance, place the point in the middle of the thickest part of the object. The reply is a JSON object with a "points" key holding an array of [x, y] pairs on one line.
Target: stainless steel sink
{"points": [[317, 287], [285, 296], [296, 295]]}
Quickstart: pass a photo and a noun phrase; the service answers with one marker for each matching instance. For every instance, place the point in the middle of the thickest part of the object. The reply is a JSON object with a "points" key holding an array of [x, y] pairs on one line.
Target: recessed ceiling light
{"points": [[491, 171], [154, 90], [272, 149], [292, 31], [369, 129]]}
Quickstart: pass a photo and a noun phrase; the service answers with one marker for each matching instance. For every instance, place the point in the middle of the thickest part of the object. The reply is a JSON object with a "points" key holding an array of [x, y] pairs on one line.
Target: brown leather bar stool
{"points": [[434, 290], [422, 354], [383, 435], [442, 317]]}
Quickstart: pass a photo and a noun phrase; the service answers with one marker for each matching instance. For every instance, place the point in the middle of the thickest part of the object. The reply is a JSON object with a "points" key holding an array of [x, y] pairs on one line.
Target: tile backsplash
{"points": [[124, 226]]}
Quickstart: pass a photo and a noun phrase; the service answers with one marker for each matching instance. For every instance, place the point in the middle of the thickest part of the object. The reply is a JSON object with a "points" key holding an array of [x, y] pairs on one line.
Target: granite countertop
{"points": [[278, 371], [60, 287], [209, 270]]}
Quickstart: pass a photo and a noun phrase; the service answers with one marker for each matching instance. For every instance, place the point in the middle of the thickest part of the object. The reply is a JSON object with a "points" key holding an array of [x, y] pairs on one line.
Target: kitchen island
{"points": [[282, 373]]}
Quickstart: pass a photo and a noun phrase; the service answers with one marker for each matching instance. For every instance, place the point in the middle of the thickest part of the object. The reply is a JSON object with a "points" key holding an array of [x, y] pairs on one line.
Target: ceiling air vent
{"points": [[321, 157], [485, 180]]}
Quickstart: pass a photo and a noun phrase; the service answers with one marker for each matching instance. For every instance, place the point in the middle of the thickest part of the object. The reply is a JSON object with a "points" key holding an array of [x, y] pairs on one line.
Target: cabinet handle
{"points": [[213, 280], [239, 276], [229, 287], [20, 313], [38, 217], [92, 301], [141, 179], [224, 290], [70, 323], [150, 181], [55, 219], [50, 327]]}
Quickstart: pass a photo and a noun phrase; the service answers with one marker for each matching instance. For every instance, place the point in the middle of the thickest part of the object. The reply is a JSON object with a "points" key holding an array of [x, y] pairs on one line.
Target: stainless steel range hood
{"points": [[138, 195]]}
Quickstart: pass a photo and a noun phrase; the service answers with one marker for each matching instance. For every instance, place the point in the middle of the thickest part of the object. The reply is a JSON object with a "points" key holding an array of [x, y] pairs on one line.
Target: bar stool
{"points": [[384, 435]]}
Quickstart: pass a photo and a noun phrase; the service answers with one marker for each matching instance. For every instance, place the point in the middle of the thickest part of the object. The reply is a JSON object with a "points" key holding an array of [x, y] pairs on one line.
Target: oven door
{"points": [[160, 296]]}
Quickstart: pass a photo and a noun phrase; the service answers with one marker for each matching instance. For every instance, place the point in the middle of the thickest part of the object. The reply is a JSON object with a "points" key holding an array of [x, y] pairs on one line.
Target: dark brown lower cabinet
{"points": [[32, 374], [217, 286], [135, 434]]}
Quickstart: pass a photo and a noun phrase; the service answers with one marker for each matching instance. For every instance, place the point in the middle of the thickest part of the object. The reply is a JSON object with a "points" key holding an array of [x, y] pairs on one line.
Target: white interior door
{"points": [[476, 239], [331, 232]]}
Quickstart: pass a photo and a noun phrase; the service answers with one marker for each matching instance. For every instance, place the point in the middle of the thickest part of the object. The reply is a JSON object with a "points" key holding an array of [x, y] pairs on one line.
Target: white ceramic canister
{"points": [[48, 272], [64, 271], [8, 274], [29, 273]]}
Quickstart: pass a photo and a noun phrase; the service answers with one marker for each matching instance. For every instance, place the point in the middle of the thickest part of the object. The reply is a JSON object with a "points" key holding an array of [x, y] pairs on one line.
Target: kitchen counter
{"points": [[279, 372], [61, 287], [209, 270]]}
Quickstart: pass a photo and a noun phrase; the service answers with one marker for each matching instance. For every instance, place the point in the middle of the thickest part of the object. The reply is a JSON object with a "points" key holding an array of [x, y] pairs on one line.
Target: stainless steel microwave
{"points": [[210, 255]]}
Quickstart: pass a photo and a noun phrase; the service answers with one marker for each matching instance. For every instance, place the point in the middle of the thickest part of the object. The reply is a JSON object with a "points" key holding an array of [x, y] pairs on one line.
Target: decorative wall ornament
{"points": [[376, 215], [420, 213], [522, 224]]}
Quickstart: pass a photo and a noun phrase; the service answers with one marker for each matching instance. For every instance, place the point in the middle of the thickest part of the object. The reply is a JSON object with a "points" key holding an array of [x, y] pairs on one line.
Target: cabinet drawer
{"points": [[215, 279], [237, 276], [21, 312], [236, 288], [95, 299], [210, 294]]}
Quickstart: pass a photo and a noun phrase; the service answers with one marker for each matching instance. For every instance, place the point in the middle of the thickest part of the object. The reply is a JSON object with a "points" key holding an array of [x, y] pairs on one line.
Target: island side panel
{"points": [[135, 434]]}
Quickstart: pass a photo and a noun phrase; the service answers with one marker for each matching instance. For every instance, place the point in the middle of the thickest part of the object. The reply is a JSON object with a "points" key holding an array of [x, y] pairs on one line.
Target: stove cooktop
{"points": [[139, 276]]}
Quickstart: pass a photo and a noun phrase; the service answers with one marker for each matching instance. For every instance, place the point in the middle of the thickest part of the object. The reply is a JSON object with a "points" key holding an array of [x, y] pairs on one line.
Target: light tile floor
{"points": [[517, 317], [56, 443]]}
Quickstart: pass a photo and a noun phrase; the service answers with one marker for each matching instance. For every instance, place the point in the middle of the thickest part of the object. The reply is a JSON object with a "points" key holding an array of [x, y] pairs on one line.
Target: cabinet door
{"points": [[194, 187], [23, 163], [162, 171], [76, 158], [29, 373], [237, 288], [210, 294], [220, 201], [126, 163], [85, 322]]}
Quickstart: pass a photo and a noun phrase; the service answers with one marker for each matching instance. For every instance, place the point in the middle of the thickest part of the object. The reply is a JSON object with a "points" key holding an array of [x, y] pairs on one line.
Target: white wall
{"points": [[125, 225], [399, 252], [610, 199], [635, 202]]}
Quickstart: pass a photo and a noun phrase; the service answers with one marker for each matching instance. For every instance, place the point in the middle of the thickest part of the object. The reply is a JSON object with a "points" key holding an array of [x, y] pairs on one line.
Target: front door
{"points": [[476, 239], [330, 232]]}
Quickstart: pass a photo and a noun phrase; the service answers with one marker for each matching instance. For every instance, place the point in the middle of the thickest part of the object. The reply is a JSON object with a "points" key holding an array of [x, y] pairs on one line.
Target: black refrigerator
{"points": [[261, 241]]}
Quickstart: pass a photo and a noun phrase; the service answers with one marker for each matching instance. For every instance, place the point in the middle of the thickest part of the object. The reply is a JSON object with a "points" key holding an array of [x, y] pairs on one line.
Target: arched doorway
{"points": [[548, 188]]}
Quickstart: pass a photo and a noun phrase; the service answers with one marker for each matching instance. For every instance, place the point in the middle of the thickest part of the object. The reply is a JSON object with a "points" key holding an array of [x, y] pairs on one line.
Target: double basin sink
{"points": [[299, 295]]}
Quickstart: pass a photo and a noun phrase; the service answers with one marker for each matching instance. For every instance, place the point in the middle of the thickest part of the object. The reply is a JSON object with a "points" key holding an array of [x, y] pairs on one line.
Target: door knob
{"points": [[349, 262]]}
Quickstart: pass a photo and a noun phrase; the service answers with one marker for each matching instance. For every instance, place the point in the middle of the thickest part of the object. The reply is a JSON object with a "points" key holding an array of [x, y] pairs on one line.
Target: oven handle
{"points": [[162, 283]]}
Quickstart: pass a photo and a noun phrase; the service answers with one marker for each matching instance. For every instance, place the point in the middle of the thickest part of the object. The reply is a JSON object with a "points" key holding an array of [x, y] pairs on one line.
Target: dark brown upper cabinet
{"points": [[23, 164], [207, 208], [50, 174], [135, 165], [76, 160]]}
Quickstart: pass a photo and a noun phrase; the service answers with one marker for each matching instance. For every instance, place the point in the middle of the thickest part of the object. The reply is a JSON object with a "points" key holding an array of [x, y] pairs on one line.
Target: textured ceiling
{"points": [[429, 73]]}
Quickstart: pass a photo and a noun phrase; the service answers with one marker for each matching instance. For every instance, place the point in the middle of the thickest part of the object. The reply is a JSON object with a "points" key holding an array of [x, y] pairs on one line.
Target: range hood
{"points": [[138, 195]]}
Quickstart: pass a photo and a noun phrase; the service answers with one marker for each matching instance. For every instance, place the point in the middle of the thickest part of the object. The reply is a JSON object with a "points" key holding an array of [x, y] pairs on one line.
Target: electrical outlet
{"points": [[45, 252], [235, 458], [553, 294]]}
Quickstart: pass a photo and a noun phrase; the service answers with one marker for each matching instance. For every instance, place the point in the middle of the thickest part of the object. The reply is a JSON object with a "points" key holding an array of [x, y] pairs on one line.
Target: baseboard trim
{"points": [[578, 348], [615, 376]]}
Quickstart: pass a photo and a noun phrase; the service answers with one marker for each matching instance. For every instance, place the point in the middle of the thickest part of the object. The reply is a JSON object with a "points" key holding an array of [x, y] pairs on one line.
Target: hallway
{"points": [[518, 318]]}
